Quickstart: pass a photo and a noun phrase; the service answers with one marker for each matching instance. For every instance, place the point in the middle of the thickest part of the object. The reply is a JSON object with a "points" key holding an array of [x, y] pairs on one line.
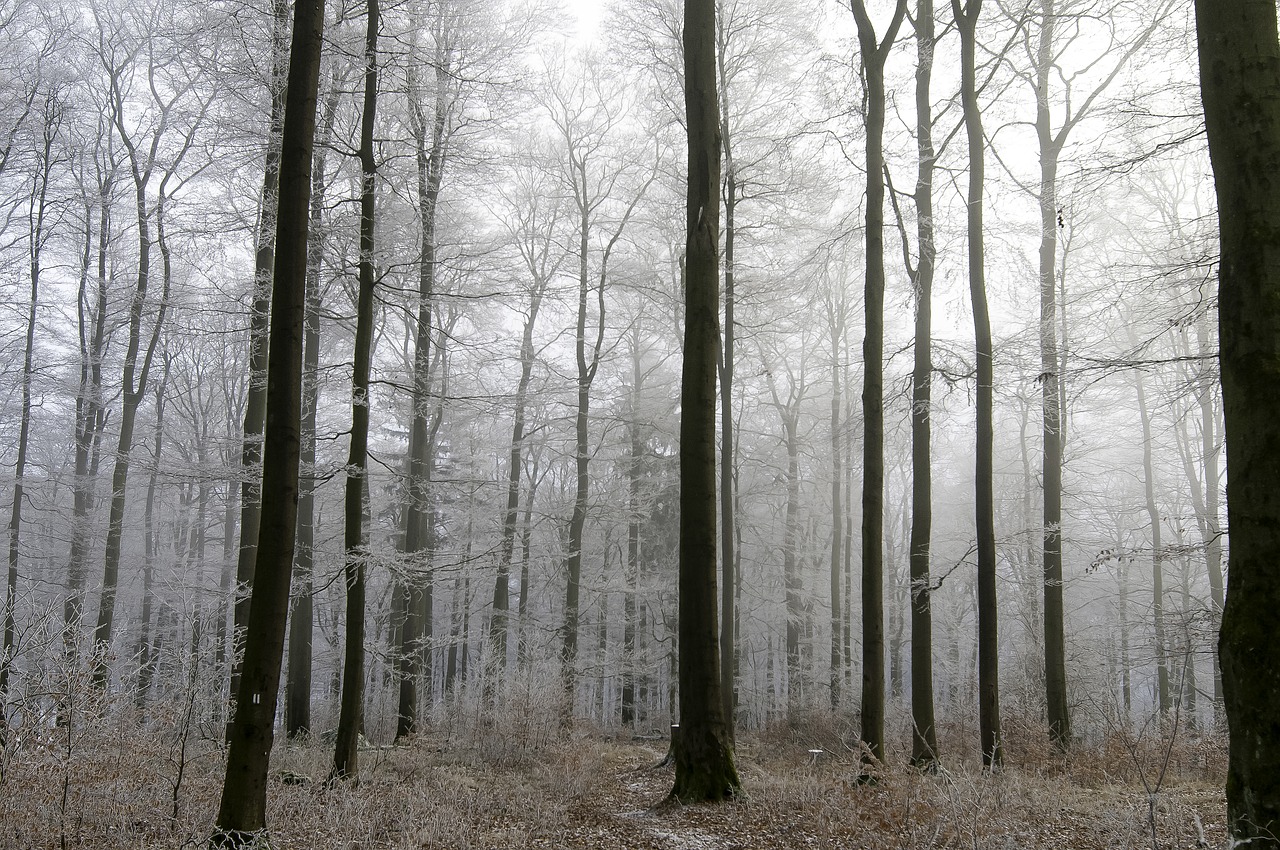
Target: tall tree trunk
{"points": [[242, 811], [133, 390], [984, 474], [1050, 144], [297, 706], [350, 720], [703, 750], [874, 53], [1240, 83], [255, 411], [924, 739]]}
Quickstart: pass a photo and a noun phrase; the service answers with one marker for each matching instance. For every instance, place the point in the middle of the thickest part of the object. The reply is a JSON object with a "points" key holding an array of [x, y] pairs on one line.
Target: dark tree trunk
{"points": [[984, 468], [924, 739], [703, 751], [297, 706], [255, 410], [874, 54], [242, 811], [346, 763], [1240, 86]]}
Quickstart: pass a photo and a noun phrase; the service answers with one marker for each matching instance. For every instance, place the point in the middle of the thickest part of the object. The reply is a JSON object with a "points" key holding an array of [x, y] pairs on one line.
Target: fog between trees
{"points": [[522, 288]]}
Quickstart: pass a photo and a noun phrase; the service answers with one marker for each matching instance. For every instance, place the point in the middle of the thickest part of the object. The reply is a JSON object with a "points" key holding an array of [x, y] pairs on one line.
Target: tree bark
{"points": [[346, 756], [242, 811], [984, 486], [1240, 87], [297, 706], [924, 739], [255, 410], [703, 752], [873, 54]]}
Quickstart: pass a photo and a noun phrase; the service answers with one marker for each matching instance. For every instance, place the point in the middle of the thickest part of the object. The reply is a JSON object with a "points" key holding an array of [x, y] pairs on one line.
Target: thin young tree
{"points": [[703, 750], [242, 811], [1240, 86]]}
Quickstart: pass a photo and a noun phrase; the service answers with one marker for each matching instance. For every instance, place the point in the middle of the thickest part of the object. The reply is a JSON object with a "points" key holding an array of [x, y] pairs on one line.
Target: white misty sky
{"points": [[588, 14]]}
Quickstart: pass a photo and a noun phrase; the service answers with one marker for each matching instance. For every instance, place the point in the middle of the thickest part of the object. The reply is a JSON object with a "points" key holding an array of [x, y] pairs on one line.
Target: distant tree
{"points": [[703, 751], [243, 809], [1240, 85]]}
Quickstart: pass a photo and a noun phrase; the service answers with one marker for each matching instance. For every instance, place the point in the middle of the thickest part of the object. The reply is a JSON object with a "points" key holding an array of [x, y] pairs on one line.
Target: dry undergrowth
{"points": [[110, 784]]}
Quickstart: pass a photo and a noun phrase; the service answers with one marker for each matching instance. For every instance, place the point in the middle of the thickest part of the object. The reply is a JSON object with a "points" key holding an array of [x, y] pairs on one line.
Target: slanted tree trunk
{"points": [[242, 811], [255, 410], [984, 474], [350, 719], [873, 55], [703, 750], [1240, 86]]}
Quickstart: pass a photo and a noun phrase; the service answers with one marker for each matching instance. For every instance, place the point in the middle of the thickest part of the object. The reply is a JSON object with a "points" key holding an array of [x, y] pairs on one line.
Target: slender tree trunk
{"points": [[350, 720], [1163, 700], [1051, 468], [924, 740], [728, 616], [703, 750], [632, 573], [984, 466], [133, 392], [874, 54], [1240, 86], [836, 326], [36, 239], [242, 811], [146, 661]]}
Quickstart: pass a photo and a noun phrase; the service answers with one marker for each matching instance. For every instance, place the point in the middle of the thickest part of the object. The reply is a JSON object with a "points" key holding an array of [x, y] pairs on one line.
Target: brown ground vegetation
{"points": [[113, 784]]}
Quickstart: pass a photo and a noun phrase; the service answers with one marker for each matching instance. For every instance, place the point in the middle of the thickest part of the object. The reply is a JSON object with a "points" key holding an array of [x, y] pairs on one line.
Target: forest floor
{"points": [[596, 790]]}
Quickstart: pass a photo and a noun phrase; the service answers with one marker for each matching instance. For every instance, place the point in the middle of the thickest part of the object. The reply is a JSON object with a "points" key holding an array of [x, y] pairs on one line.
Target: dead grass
{"points": [[110, 784]]}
